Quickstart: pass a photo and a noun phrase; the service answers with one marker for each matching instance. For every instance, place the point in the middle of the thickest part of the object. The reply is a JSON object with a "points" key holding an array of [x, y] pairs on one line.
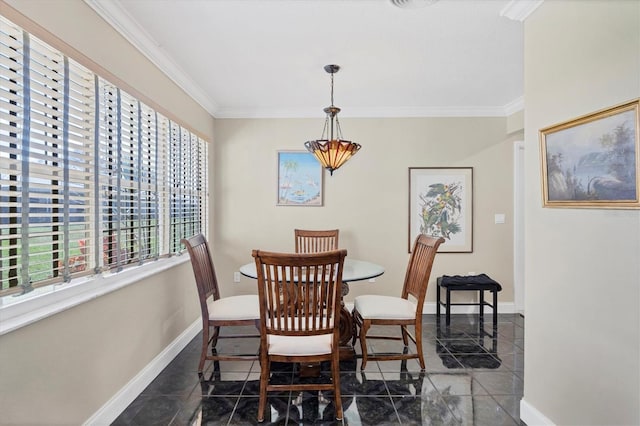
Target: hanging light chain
{"points": [[332, 111], [329, 151], [332, 88]]}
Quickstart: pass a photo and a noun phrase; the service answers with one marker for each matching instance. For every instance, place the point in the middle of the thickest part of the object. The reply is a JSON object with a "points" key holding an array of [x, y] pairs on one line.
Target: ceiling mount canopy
{"points": [[332, 152], [412, 4]]}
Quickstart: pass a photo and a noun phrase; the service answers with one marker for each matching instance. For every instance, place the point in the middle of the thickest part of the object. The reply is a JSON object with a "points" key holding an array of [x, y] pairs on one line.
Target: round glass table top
{"points": [[354, 270]]}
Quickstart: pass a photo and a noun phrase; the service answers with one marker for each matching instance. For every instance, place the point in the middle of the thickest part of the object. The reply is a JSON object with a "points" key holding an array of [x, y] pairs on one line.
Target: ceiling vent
{"points": [[412, 4]]}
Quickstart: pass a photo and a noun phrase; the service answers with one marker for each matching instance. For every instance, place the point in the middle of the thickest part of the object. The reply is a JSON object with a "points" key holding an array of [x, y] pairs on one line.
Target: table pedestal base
{"points": [[310, 369], [347, 352]]}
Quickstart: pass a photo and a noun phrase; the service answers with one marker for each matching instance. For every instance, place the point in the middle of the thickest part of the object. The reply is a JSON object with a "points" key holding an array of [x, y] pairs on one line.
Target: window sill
{"points": [[47, 301]]}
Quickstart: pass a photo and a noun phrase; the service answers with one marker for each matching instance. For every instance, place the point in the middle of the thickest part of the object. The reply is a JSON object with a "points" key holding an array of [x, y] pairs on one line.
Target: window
{"points": [[91, 178]]}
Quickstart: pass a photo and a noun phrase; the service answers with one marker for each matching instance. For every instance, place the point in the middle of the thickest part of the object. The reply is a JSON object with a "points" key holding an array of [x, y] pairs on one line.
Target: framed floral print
{"points": [[441, 204]]}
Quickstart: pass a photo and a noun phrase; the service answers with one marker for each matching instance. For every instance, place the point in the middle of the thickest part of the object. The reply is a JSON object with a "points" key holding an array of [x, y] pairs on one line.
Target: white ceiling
{"points": [[265, 58]]}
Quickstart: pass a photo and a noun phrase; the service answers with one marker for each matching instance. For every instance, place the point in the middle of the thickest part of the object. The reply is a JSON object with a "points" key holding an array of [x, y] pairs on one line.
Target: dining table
{"points": [[352, 271]]}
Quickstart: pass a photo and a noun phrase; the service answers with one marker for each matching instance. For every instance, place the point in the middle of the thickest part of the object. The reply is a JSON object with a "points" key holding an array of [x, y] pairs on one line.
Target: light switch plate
{"points": [[499, 218]]}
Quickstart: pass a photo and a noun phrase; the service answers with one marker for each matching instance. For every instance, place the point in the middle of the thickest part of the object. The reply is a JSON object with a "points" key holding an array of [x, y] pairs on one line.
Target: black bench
{"points": [[479, 283]]}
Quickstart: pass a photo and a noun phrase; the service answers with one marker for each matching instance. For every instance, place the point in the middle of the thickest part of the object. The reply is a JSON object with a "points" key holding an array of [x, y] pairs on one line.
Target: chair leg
{"points": [[264, 381], [364, 328], [335, 373], [205, 347], [405, 335], [214, 337], [418, 330]]}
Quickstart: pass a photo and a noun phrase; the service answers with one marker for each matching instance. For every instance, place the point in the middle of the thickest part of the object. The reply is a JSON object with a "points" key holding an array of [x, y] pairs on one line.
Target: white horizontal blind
{"points": [[43, 193], [107, 171], [12, 110], [163, 146], [47, 163], [91, 179], [126, 211], [78, 205], [148, 226], [128, 179], [197, 187], [176, 188], [187, 184]]}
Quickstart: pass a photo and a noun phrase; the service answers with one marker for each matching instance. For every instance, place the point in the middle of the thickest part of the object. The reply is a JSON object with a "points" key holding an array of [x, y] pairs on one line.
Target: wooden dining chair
{"points": [[299, 296], [218, 311], [316, 241], [310, 241], [400, 311]]}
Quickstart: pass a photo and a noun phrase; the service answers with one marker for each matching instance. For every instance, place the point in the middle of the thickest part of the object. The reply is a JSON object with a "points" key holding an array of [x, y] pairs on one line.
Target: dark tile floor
{"points": [[470, 379]]}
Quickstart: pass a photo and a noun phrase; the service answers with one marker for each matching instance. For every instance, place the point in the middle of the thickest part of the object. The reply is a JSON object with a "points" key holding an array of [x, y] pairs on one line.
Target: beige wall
{"points": [[88, 39], [109, 340], [582, 357], [367, 199], [62, 369]]}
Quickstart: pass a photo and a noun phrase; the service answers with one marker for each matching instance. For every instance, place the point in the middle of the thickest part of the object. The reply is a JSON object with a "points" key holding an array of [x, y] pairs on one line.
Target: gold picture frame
{"points": [[593, 161]]}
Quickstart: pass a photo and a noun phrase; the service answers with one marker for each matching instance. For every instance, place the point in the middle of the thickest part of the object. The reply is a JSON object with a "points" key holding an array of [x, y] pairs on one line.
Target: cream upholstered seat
{"points": [[234, 308], [390, 307], [218, 311], [399, 311], [299, 296]]}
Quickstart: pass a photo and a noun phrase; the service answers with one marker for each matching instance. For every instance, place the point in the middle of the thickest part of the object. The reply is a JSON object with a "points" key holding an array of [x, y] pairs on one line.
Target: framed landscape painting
{"points": [[441, 204], [299, 179], [593, 161]]}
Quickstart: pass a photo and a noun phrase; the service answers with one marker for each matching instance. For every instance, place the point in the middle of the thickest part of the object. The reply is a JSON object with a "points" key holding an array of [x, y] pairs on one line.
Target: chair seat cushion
{"points": [[299, 345], [384, 307], [245, 307]]}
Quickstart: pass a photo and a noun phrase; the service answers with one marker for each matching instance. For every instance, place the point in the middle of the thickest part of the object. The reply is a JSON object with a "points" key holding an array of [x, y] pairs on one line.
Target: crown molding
{"points": [[122, 22], [519, 10], [514, 106], [381, 112]]}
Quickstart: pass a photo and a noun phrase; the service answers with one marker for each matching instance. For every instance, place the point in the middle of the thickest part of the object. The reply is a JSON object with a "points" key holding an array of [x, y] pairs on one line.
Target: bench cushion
{"points": [[469, 282]]}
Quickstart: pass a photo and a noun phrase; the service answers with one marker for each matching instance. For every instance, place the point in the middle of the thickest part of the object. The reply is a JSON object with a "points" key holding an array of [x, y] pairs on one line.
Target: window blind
{"points": [[46, 150], [91, 178]]}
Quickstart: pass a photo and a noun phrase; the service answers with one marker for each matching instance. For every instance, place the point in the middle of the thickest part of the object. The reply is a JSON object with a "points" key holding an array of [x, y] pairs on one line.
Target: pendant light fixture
{"points": [[332, 152]]}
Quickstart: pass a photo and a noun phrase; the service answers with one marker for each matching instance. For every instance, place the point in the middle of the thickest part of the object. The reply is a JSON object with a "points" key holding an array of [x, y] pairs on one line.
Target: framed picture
{"points": [[592, 161], [441, 204], [299, 179]]}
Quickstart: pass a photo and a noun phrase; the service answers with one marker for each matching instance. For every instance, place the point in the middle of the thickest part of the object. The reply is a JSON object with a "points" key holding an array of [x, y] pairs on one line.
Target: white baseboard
{"points": [[430, 308], [503, 308], [531, 416], [121, 400], [125, 396]]}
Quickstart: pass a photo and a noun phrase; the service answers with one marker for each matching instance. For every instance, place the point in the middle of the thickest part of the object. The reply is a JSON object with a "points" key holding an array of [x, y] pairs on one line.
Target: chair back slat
{"points": [[203, 268], [311, 241], [299, 293], [418, 272]]}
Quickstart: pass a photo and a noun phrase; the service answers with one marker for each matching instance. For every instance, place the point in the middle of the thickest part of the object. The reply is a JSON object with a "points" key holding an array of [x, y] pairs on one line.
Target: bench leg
{"points": [[438, 301], [448, 313], [495, 308], [481, 295]]}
